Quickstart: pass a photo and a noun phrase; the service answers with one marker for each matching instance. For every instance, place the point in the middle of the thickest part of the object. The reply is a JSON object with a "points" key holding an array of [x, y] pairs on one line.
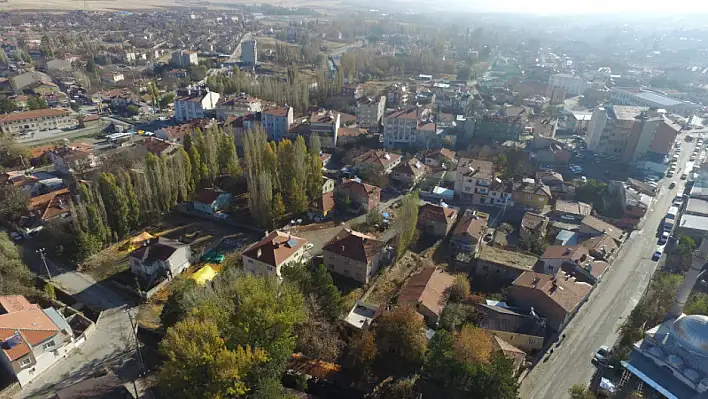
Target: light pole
{"points": [[44, 259]]}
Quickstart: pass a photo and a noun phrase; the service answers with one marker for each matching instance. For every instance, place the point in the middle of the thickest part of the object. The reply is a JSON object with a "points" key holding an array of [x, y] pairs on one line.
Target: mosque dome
{"points": [[691, 333]]}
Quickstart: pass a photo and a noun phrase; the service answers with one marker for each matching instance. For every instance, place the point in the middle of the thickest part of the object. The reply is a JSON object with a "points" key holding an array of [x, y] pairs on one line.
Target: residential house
{"points": [[554, 155], [440, 158], [549, 178], [158, 147], [556, 298], [72, 159], [531, 194], [364, 197], [410, 173], [370, 111], [352, 135], [501, 264], [33, 339], [469, 232], [326, 125], [473, 179], [556, 255], [322, 206], [533, 226], [327, 185], [43, 208], [112, 77], [397, 96], [523, 329], [237, 106], [427, 293], [269, 255], [634, 203], [161, 257], [515, 355], [401, 128], [602, 247], [191, 103], [212, 201], [377, 159], [593, 227], [277, 122], [570, 211], [354, 255], [566, 238], [39, 120], [353, 91], [362, 315], [175, 134], [436, 220]]}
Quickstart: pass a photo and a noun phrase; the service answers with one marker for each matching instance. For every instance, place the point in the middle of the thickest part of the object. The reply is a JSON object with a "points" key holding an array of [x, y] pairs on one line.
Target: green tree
{"points": [[4, 59], [126, 185], [278, 206], [116, 204], [407, 220], [361, 354], [178, 304], [227, 157], [15, 277], [166, 100], [7, 105], [455, 315], [13, 202], [36, 103], [578, 391], [133, 110], [328, 296], [314, 178], [374, 217], [592, 192], [199, 364], [318, 338], [460, 288]]}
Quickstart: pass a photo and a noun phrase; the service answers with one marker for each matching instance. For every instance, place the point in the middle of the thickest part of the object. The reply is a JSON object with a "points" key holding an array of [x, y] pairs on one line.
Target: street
{"points": [[598, 320]]}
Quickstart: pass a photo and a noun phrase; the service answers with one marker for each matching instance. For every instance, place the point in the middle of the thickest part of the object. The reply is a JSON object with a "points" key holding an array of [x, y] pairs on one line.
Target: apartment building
{"points": [[408, 127], [652, 99], [184, 58], [237, 106], [277, 122], [354, 255], [397, 96], [370, 112], [21, 123], [191, 103], [326, 125], [473, 178], [572, 84], [249, 53]]}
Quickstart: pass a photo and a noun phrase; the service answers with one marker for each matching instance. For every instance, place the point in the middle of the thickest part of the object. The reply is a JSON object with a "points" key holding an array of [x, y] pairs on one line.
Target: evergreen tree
{"points": [[116, 204], [329, 297], [314, 173], [228, 158], [4, 59], [278, 206], [133, 205]]}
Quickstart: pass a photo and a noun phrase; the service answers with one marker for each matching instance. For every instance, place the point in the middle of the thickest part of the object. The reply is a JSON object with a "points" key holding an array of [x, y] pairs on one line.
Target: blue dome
{"points": [[691, 333]]}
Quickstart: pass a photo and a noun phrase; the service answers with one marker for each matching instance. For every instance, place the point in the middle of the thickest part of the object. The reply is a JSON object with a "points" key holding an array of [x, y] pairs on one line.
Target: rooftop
{"points": [[500, 318], [160, 249], [38, 113], [659, 99], [377, 157], [624, 112], [697, 206], [603, 227], [427, 288], [471, 224], [533, 221], [354, 245], [277, 111], [437, 213], [476, 167], [576, 208], [275, 248], [516, 260], [361, 315], [564, 290], [694, 222]]}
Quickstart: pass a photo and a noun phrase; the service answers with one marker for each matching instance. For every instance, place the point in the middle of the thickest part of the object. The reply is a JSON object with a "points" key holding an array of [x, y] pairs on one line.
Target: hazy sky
{"points": [[590, 6]]}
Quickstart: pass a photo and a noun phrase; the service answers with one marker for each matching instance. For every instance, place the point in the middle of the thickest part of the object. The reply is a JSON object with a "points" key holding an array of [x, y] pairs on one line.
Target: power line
{"points": [[44, 259]]}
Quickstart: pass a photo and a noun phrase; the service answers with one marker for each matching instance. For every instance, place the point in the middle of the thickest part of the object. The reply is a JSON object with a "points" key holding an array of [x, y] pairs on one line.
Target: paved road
{"points": [[614, 298]]}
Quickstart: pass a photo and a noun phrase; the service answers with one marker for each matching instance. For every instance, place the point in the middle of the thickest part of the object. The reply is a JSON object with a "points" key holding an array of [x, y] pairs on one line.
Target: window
{"points": [[48, 345], [528, 197], [25, 362]]}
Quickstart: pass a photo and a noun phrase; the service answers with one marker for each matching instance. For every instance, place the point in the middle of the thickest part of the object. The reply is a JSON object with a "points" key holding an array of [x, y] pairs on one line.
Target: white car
{"points": [[309, 246]]}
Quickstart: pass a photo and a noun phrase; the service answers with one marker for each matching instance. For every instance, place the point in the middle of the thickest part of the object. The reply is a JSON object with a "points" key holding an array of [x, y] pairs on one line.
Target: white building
{"points": [[19, 123], [237, 106], [249, 53], [277, 122], [370, 112], [269, 255], [192, 103], [646, 98], [401, 128], [572, 84], [184, 58], [326, 125]]}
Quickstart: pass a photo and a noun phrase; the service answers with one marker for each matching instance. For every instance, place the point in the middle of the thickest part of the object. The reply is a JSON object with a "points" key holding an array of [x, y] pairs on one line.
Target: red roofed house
{"points": [[436, 220], [410, 172], [363, 196], [269, 255], [354, 255], [211, 200], [158, 147], [161, 257], [44, 208], [377, 159], [320, 207], [33, 339], [277, 122], [427, 292], [470, 231], [557, 297]]}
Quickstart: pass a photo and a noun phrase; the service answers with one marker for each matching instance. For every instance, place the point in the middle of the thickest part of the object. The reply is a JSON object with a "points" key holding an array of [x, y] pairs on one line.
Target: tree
{"points": [[15, 277], [227, 157], [361, 354], [407, 220], [166, 100], [133, 110], [116, 204], [455, 315], [318, 337], [592, 192], [374, 217], [198, 363], [328, 296], [314, 178], [578, 391], [399, 335], [460, 288], [278, 206], [13, 202], [464, 73], [473, 345], [7, 105], [178, 304], [390, 388], [4, 59], [36, 103]]}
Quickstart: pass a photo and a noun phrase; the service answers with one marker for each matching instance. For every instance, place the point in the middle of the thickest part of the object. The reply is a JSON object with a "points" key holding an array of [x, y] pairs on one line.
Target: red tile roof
{"points": [[377, 157], [354, 245], [277, 111], [156, 146], [471, 225], [427, 288], [25, 327], [437, 213], [51, 204], [275, 248], [325, 202], [38, 113], [561, 288]]}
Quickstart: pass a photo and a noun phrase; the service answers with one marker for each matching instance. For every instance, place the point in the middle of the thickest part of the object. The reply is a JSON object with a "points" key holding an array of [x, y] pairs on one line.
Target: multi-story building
{"points": [[370, 112], [20, 123], [277, 122], [572, 84], [237, 106], [326, 125], [498, 128], [374, 159], [401, 128], [249, 53], [192, 102], [397, 96], [184, 58], [353, 91], [652, 99], [354, 255], [473, 178], [269, 255]]}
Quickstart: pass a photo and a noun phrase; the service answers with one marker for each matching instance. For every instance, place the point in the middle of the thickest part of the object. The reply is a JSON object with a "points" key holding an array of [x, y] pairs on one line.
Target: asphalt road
{"points": [[611, 302]]}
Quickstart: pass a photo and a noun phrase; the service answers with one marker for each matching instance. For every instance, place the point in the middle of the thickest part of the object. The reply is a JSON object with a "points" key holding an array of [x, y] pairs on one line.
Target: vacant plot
{"points": [[393, 278]]}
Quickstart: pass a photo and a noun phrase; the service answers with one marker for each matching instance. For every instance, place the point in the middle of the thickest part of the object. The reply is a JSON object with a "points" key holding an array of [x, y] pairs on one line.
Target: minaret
{"points": [[699, 259]]}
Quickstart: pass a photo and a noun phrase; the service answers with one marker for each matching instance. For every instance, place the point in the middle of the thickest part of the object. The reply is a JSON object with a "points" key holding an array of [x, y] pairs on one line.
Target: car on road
{"points": [[672, 185], [309, 246], [678, 201], [664, 237], [684, 176], [16, 236], [670, 173], [692, 158], [602, 356], [657, 254]]}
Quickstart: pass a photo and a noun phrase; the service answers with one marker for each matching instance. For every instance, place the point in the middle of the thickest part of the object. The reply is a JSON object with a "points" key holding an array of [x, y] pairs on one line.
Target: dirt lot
{"points": [[390, 282], [199, 233]]}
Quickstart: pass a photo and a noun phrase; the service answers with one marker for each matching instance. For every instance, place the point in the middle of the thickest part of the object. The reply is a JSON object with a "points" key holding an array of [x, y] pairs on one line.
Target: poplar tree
{"points": [[116, 204]]}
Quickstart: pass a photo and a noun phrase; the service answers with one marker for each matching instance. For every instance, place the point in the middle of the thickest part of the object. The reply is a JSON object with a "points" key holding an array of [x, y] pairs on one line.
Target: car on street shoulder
{"points": [[602, 356], [664, 237], [670, 173], [657, 254], [684, 176]]}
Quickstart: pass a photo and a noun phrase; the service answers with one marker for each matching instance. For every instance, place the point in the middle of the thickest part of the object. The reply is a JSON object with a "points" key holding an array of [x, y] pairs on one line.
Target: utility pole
{"points": [[44, 259], [141, 363]]}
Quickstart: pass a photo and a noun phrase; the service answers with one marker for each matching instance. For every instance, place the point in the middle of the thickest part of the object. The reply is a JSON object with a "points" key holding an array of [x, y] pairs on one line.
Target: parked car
{"points": [[670, 173], [664, 237], [657, 254], [16, 236], [672, 185], [602, 356], [684, 176]]}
